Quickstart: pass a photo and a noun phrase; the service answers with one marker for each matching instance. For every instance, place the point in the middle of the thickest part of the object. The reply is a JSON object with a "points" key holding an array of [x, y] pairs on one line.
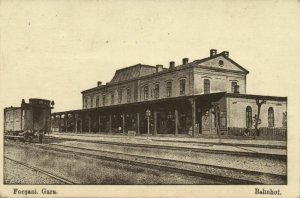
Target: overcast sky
{"points": [[56, 49]]}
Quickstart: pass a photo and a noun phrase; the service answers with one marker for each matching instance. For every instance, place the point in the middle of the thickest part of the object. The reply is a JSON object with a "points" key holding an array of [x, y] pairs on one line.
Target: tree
{"points": [[257, 120], [284, 119], [217, 117]]}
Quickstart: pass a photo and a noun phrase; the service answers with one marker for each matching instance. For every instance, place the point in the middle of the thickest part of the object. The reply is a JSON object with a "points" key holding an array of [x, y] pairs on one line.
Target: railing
{"points": [[278, 133]]}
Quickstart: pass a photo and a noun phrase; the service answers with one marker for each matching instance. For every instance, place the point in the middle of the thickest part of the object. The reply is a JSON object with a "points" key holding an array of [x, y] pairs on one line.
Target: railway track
{"points": [[181, 148], [219, 173], [64, 181]]}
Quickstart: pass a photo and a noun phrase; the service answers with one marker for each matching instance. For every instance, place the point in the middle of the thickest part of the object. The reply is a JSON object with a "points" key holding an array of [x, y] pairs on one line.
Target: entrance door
{"points": [[208, 122]]}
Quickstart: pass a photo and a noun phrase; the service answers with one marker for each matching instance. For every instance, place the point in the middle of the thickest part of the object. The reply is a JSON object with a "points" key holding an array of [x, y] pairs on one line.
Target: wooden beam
{"points": [[65, 122], [90, 123], [123, 123], [75, 123], [109, 126], [138, 122], [59, 123], [99, 122], [193, 104], [176, 122], [81, 125], [155, 123]]}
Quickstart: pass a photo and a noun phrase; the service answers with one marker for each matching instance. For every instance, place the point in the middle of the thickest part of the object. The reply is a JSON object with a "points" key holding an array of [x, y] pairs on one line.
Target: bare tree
{"points": [[217, 116], [257, 116]]}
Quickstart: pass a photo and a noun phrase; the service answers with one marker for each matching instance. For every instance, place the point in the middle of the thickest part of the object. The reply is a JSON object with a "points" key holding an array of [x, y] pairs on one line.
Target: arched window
{"points": [[112, 97], [120, 96], [128, 93], [146, 92], [103, 100], [248, 117], [97, 101], [271, 117], [206, 86], [156, 90], [86, 102], [233, 85], [182, 86], [169, 88]]}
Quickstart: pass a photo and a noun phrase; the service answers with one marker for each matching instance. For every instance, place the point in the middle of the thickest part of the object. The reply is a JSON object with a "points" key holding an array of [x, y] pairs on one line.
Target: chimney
{"points": [[172, 65], [159, 68], [185, 61], [213, 52], [226, 53], [99, 83]]}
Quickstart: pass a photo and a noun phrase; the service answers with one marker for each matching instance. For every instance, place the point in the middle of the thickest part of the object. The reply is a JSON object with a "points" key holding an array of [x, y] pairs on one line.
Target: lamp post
{"points": [[148, 113]]}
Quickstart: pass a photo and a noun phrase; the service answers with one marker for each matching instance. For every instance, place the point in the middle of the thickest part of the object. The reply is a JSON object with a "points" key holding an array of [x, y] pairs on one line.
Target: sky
{"points": [[56, 49]]}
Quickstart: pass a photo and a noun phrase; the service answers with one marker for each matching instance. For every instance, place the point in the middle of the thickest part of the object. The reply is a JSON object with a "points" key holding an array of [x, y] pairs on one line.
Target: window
{"points": [[97, 101], [120, 96], [146, 92], [233, 85], [156, 90], [112, 98], [271, 117], [103, 100], [152, 93], [91, 101], [169, 89], [128, 93], [206, 86], [221, 63], [182, 86], [248, 117]]}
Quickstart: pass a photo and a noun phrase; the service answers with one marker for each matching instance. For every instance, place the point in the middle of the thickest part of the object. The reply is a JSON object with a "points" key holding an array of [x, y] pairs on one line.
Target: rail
{"points": [[41, 171]]}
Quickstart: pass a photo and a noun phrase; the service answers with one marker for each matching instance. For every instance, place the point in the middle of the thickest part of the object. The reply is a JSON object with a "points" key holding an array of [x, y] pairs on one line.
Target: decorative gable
{"points": [[221, 61]]}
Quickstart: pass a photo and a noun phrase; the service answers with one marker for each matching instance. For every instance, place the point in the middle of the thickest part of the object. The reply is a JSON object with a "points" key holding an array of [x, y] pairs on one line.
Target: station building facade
{"points": [[204, 97]]}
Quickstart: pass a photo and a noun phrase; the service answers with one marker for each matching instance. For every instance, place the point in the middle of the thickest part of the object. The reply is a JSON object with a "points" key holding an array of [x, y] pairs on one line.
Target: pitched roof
{"points": [[132, 72], [146, 71]]}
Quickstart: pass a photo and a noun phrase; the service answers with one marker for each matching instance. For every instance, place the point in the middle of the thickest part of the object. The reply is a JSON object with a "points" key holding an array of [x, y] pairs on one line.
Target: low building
{"points": [[205, 97]]}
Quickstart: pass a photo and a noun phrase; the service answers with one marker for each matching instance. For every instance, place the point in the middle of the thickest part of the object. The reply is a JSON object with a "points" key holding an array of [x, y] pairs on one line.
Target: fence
{"points": [[279, 133]]}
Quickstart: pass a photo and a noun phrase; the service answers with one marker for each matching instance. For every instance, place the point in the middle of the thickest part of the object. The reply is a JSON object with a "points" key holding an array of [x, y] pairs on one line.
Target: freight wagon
{"points": [[29, 122]]}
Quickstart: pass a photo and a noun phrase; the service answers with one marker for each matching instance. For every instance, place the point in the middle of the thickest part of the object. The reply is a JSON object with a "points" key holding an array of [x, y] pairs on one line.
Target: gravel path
{"points": [[17, 174]]}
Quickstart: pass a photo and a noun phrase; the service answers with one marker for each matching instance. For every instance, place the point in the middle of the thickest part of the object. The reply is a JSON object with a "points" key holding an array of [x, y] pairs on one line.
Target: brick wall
{"points": [[219, 82], [174, 78], [236, 112], [107, 92]]}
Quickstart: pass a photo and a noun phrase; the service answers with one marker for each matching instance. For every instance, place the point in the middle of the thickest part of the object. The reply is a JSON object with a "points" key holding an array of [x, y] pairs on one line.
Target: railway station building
{"points": [[204, 97]]}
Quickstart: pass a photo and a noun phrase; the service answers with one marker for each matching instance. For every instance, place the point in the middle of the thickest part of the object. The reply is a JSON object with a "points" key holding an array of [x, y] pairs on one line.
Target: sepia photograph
{"points": [[149, 98]]}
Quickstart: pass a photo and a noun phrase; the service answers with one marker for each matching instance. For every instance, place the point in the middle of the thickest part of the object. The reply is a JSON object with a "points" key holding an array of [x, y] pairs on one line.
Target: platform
{"points": [[259, 147]]}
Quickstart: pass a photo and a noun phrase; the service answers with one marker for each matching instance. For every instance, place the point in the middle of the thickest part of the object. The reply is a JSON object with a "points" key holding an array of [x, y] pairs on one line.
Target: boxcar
{"points": [[28, 122]]}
